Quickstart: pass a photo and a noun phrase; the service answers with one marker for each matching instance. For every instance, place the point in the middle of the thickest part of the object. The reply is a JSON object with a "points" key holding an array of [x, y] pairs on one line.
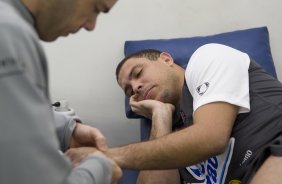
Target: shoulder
{"points": [[215, 50], [16, 34], [214, 53], [13, 25]]}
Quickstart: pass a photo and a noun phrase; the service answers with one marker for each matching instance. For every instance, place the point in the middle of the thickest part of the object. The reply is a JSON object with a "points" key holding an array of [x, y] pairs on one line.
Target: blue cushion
{"points": [[128, 176], [254, 42]]}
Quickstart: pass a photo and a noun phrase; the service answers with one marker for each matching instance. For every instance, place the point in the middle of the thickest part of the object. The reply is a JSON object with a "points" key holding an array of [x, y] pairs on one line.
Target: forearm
{"points": [[161, 126], [179, 149], [64, 128]]}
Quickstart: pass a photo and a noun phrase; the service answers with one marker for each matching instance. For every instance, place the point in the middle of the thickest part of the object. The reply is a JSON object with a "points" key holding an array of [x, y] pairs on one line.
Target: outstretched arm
{"points": [[207, 137]]}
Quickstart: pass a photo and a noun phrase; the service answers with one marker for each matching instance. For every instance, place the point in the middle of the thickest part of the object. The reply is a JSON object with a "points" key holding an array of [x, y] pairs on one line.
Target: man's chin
{"points": [[163, 100], [48, 38]]}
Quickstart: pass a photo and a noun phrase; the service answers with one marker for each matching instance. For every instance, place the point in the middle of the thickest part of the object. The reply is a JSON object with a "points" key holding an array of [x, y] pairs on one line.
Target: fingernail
{"points": [[104, 147]]}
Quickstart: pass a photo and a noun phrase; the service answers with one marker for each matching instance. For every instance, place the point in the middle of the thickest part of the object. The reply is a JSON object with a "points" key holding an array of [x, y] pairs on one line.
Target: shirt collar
{"points": [[23, 11]]}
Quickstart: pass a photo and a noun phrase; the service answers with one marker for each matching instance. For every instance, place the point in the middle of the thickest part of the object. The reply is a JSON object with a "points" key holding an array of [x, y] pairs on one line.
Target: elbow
{"points": [[217, 142], [219, 146]]}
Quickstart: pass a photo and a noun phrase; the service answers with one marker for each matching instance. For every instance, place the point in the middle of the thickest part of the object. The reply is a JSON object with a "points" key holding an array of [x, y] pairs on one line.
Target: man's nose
{"points": [[90, 23], [137, 87]]}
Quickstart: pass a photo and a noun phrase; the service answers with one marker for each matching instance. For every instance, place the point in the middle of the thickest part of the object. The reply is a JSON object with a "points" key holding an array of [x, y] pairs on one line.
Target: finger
{"points": [[133, 103], [137, 111], [72, 155], [134, 109], [76, 159], [117, 174], [69, 153], [99, 139], [75, 164], [73, 142], [133, 98]]}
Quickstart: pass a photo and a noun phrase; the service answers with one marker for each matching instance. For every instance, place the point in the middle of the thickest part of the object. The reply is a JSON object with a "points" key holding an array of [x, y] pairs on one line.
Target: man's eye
{"points": [[138, 73]]}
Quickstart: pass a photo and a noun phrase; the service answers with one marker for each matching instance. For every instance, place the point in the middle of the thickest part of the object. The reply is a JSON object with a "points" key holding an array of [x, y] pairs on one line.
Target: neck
{"points": [[181, 79], [180, 76], [33, 6]]}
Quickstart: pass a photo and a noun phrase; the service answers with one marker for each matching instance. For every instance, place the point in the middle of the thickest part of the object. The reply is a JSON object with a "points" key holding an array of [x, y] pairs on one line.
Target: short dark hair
{"points": [[150, 54]]}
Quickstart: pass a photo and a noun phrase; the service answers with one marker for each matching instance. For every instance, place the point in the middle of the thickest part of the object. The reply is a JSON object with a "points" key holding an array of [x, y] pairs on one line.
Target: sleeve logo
{"points": [[203, 88], [10, 66]]}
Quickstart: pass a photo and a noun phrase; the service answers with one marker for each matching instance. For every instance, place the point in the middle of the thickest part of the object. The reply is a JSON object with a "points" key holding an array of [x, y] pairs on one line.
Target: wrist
{"points": [[116, 154], [161, 126]]}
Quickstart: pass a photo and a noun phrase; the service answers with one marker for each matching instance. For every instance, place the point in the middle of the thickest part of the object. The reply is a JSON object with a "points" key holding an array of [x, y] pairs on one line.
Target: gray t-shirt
{"points": [[28, 130]]}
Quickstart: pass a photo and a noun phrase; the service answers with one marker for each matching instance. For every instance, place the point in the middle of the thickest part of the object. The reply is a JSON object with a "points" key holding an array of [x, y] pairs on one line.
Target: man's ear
{"points": [[166, 57]]}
